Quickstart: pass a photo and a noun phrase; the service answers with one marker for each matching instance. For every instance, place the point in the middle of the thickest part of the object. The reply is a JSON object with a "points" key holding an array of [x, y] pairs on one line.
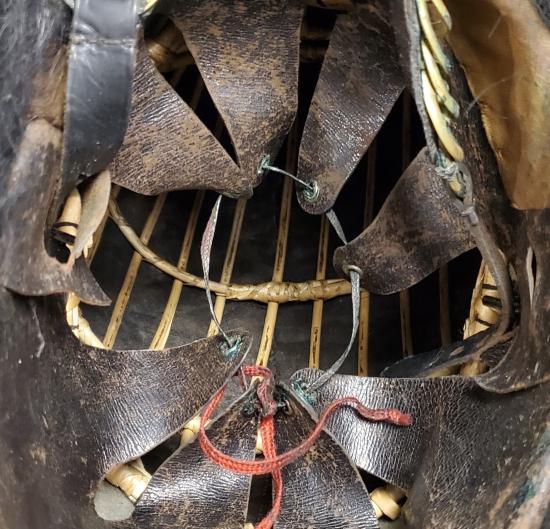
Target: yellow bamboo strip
{"points": [[270, 321], [125, 291], [231, 253], [96, 239], [404, 296], [165, 324], [317, 315], [364, 306], [266, 341]]}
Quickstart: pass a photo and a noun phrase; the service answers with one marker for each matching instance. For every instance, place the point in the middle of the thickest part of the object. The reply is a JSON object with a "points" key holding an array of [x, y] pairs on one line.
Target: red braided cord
{"points": [[270, 464]]}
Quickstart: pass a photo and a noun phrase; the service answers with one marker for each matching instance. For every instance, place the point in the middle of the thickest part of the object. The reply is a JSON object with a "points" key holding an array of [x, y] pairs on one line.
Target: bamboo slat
{"points": [[317, 313], [165, 324], [364, 307], [125, 291], [270, 321]]}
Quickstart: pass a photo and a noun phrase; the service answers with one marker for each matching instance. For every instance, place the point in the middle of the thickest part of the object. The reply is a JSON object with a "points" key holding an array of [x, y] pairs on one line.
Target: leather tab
{"points": [[359, 83], [191, 492], [71, 412], [418, 230], [26, 266], [322, 489], [466, 460]]}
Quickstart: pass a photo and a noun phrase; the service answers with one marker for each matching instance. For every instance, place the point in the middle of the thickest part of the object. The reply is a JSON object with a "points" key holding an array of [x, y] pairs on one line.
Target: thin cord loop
{"points": [[264, 166], [206, 250]]}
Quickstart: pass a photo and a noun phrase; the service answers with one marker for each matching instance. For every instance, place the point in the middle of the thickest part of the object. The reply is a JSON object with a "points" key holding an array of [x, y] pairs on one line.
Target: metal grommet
{"points": [[264, 162], [311, 194], [347, 268], [231, 348]]}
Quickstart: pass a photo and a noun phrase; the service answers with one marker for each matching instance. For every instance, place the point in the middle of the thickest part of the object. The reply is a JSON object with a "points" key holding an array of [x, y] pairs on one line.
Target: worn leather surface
{"points": [[358, 85], [470, 459], [190, 491], [25, 265], [100, 72], [504, 48], [417, 230], [71, 412], [322, 489], [166, 145], [247, 54]]}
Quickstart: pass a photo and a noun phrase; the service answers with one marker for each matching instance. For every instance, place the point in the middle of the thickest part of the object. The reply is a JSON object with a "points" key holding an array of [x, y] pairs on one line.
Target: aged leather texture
{"points": [[248, 56], [71, 412], [418, 230], [100, 71], [190, 491], [504, 48], [322, 489], [29, 188], [358, 85], [470, 459]]}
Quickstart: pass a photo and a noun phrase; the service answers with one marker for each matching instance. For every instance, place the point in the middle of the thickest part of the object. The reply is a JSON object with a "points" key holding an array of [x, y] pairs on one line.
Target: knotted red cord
{"points": [[273, 463]]}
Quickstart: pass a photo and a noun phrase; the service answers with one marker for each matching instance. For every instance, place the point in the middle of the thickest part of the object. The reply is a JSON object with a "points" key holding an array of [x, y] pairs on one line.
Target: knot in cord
{"points": [[273, 462]]}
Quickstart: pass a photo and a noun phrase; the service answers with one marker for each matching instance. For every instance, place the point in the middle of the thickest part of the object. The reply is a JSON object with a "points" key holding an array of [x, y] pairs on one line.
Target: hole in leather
{"points": [[185, 83]]}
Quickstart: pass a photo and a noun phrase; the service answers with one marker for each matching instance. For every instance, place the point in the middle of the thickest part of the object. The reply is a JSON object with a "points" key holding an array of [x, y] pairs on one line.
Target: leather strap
{"points": [[100, 72]]}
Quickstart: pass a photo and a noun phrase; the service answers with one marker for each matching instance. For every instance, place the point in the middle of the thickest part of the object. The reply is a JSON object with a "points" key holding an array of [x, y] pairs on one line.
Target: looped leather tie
{"points": [[273, 463]]}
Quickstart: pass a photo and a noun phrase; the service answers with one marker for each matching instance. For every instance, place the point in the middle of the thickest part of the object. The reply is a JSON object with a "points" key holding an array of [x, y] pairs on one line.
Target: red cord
{"points": [[273, 463]]}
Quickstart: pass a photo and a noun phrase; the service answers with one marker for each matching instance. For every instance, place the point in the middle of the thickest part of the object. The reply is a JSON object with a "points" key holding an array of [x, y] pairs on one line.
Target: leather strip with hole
{"points": [[29, 192], [467, 460], [417, 230], [100, 72], [359, 83], [191, 492], [248, 56], [322, 488], [71, 412]]}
